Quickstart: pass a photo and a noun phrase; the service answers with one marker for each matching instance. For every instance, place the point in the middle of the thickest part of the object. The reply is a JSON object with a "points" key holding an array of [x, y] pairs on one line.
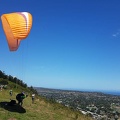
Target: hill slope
{"points": [[40, 110]]}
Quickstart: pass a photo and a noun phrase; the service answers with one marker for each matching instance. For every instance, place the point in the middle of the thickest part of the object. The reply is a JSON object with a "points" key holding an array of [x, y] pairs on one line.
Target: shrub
{"points": [[3, 82]]}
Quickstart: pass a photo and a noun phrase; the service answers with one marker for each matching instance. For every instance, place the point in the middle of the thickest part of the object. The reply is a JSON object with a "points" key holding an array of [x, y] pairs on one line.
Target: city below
{"points": [[99, 105]]}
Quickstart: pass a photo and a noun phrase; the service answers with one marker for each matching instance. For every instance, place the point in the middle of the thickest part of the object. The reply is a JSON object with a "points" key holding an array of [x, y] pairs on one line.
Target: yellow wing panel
{"points": [[16, 27]]}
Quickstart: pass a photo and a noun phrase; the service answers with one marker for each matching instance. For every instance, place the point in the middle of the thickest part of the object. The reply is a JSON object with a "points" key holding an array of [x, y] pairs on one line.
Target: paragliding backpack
{"points": [[12, 102], [20, 96]]}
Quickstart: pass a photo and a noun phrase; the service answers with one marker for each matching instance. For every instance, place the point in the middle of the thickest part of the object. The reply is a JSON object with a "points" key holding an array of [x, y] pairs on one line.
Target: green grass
{"points": [[40, 110]]}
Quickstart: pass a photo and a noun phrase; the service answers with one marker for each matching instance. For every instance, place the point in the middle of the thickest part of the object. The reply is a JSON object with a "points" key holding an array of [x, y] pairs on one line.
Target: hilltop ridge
{"points": [[42, 109]]}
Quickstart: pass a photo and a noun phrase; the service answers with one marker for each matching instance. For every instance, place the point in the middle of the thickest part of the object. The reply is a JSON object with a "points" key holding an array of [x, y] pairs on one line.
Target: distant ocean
{"points": [[107, 92], [112, 92]]}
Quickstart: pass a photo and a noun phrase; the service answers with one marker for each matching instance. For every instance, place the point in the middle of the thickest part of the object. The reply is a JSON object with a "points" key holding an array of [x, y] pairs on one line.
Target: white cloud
{"points": [[116, 34]]}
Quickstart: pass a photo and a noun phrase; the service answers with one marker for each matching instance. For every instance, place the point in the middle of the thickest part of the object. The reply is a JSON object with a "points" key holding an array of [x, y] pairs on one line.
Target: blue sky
{"points": [[73, 44]]}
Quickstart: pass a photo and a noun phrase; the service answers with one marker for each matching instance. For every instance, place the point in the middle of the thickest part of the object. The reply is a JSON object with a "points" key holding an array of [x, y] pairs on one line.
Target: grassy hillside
{"points": [[40, 110]]}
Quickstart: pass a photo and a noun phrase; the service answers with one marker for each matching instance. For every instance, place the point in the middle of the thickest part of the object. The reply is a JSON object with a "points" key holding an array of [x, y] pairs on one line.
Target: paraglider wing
{"points": [[16, 26]]}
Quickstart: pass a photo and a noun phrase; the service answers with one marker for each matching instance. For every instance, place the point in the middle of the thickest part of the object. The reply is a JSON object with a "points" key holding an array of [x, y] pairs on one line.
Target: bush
{"points": [[3, 82]]}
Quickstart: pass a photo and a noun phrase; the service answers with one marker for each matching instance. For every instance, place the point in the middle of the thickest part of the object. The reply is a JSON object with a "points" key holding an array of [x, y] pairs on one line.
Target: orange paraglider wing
{"points": [[16, 26]]}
